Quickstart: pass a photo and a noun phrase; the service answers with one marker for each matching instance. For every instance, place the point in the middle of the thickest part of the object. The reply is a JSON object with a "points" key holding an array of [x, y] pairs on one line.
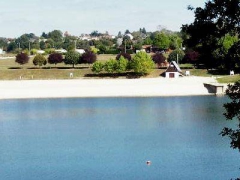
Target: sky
{"points": [[84, 16]]}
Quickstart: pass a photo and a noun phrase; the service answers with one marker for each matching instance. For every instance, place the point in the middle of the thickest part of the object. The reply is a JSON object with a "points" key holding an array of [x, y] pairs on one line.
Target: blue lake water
{"points": [[112, 138]]}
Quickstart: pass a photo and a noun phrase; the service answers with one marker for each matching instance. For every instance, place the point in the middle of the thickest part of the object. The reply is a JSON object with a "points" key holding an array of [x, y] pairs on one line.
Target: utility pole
{"points": [[125, 45], [29, 47]]}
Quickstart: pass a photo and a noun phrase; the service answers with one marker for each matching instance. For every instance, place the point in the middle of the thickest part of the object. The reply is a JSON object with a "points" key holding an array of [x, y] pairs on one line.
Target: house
{"points": [[60, 50], [80, 51], [173, 70], [40, 51]]}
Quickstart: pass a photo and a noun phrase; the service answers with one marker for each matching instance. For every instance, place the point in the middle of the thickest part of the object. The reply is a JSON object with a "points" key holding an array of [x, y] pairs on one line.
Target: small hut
{"points": [[173, 70]]}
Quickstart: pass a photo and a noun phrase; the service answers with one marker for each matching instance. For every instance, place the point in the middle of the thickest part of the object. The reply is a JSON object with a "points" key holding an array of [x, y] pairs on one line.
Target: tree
{"points": [[119, 34], [212, 24], [97, 67], [190, 57], [147, 41], [11, 46], [44, 35], [56, 35], [233, 56], [55, 58], [142, 63], [110, 66], [72, 57], [159, 59], [161, 40], [88, 57], [94, 49], [42, 45], [22, 58], [233, 113], [125, 55], [39, 60], [122, 65], [176, 55], [144, 31], [127, 32]]}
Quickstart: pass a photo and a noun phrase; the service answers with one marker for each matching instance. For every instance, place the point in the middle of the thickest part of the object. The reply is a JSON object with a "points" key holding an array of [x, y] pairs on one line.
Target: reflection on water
{"points": [[112, 138]]}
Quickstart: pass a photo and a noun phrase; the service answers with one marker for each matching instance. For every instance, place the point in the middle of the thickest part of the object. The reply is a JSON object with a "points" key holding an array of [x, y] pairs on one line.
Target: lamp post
{"points": [[29, 48], [75, 41]]}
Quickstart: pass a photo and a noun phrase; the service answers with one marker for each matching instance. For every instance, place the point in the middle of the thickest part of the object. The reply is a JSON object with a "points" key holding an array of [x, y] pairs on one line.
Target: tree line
{"points": [[105, 45]]}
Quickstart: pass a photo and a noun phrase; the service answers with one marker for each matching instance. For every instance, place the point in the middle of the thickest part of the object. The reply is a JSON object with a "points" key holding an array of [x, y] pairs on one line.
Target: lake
{"points": [[112, 138]]}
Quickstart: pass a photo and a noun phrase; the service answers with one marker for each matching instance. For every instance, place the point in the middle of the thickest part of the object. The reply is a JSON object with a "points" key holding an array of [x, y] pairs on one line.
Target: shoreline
{"points": [[93, 88]]}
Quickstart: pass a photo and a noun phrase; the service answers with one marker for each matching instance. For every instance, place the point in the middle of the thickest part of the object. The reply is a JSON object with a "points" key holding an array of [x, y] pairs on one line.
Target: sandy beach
{"points": [[143, 87]]}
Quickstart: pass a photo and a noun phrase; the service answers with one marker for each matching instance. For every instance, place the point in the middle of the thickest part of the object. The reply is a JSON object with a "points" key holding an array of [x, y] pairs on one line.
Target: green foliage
{"points": [[39, 60], [42, 45], [97, 67], [234, 56], [11, 46], [112, 51], [233, 112], [210, 32], [94, 50], [161, 40], [56, 35], [111, 66], [33, 51], [122, 65], [148, 41], [176, 55], [49, 51], [142, 63], [72, 57]]}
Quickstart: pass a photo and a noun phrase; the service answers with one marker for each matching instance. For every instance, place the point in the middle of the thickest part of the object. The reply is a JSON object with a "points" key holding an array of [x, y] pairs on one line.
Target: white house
{"points": [[173, 70], [80, 51], [40, 51], [60, 51], [1, 51], [130, 36]]}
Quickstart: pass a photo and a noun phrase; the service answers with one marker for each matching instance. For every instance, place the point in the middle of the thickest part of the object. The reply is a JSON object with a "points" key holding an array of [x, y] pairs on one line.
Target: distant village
{"points": [[102, 43]]}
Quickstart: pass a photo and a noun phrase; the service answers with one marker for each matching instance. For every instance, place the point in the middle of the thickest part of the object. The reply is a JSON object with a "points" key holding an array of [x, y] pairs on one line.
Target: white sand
{"points": [[104, 87]]}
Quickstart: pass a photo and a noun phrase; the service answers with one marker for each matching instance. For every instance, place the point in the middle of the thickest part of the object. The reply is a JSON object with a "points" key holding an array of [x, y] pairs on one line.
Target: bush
{"points": [[129, 51], [49, 51], [39, 60], [72, 57], [112, 51], [111, 66], [22, 58], [33, 51], [122, 65], [142, 63], [124, 55], [97, 67], [159, 59], [88, 57], [55, 58]]}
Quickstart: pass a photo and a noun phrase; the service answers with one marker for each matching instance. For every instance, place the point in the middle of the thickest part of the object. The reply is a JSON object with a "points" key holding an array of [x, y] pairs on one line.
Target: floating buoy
{"points": [[148, 163]]}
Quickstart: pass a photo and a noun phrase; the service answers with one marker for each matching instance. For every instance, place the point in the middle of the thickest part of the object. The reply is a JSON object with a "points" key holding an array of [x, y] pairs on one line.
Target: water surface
{"points": [[112, 138]]}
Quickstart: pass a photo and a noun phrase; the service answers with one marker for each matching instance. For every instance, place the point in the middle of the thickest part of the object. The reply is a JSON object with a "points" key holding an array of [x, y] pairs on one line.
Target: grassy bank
{"points": [[10, 70]]}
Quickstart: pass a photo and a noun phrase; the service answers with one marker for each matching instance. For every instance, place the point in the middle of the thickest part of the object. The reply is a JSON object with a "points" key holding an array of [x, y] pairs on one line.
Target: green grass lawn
{"points": [[10, 70]]}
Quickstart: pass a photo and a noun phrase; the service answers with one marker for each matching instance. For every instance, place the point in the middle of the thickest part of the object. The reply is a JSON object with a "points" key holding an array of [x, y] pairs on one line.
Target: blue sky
{"points": [[84, 16]]}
